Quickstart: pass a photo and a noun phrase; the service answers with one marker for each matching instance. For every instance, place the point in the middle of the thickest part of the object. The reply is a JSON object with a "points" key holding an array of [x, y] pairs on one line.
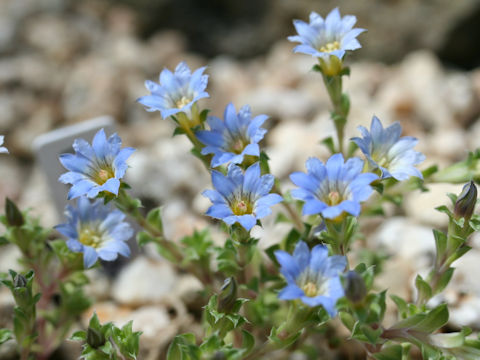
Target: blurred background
{"points": [[66, 61]]}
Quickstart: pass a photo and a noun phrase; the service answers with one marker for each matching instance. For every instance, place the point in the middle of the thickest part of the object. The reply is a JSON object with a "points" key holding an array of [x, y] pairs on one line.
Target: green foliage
{"points": [[108, 342]]}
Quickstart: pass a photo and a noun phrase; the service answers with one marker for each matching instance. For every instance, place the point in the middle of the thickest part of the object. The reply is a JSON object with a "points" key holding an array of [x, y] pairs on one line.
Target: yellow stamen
{"points": [[242, 207], [238, 146], [103, 175], [310, 289], [90, 237], [331, 46], [334, 198], [182, 102]]}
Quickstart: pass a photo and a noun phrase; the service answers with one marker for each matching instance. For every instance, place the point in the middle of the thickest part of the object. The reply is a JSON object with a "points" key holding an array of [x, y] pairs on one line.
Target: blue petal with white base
{"points": [[323, 38], [95, 230], [95, 168], [234, 137], [241, 197], [312, 276], [387, 151], [333, 188], [176, 92]]}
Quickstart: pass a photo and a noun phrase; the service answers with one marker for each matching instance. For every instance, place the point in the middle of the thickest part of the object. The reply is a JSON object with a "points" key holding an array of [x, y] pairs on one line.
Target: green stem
{"points": [[340, 112]]}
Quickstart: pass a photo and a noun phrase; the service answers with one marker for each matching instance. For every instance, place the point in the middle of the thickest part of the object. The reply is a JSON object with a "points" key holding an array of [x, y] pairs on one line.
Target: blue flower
{"points": [[240, 197], [324, 38], [234, 137], [97, 167], [177, 92], [385, 150], [3, 150], [96, 231], [333, 188], [313, 277]]}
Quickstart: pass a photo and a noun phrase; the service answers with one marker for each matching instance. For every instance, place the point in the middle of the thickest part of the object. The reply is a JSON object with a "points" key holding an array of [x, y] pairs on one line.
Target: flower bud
{"points": [[465, 204], [19, 281], [95, 338], [355, 289], [13, 215], [228, 295]]}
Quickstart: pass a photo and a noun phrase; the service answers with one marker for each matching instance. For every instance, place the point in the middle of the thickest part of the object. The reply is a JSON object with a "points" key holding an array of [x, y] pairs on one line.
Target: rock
{"points": [[406, 240], [448, 143], [421, 205], [144, 281]]}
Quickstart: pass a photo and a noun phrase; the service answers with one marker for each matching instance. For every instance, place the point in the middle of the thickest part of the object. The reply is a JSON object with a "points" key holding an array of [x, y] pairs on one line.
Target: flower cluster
{"points": [[333, 188], [386, 151], [97, 167], [241, 197], [95, 230], [177, 92], [312, 276], [234, 137]]}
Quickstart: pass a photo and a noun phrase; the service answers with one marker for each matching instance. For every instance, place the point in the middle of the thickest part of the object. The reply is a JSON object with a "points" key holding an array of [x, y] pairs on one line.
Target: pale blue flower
{"points": [[333, 188], [234, 137], [177, 92], [97, 167], [240, 197], [323, 38], [95, 230], [3, 150], [313, 277], [385, 150]]}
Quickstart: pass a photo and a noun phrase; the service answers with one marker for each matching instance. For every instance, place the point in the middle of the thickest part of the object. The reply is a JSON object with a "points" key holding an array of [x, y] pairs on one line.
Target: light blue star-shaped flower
{"points": [[324, 38], [333, 188], [234, 137], [240, 197], [97, 167], [312, 276], [95, 230], [385, 150], [177, 92]]}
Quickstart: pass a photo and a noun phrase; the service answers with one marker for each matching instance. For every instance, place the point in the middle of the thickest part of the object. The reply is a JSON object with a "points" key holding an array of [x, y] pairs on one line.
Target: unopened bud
{"points": [[95, 338], [19, 281], [13, 215], [355, 289], [465, 204], [228, 295], [219, 355]]}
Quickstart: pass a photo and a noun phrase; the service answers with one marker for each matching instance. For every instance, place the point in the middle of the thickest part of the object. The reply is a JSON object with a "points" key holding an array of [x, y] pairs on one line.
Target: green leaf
{"points": [[328, 142], [393, 352], [402, 305], [434, 320], [440, 242], [347, 320], [79, 336], [154, 218], [5, 334], [3, 241], [248, 342], [144, 238], [372, 335], [424, 289], [179, 348], [444, 280]]}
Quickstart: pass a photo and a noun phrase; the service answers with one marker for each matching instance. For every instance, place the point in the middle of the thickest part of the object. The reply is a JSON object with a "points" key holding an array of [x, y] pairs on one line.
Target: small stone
{"points": [[144, 281], [421, 205]]}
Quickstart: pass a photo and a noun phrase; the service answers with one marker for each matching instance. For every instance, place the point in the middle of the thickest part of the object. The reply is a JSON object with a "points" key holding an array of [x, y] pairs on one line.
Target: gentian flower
{"points": [[96, 231], [385, 150], [324, 38], [333, 188], [97, 167], [240, 197], [234, 137], [177, 92], [3, 150], [313, 277]]}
